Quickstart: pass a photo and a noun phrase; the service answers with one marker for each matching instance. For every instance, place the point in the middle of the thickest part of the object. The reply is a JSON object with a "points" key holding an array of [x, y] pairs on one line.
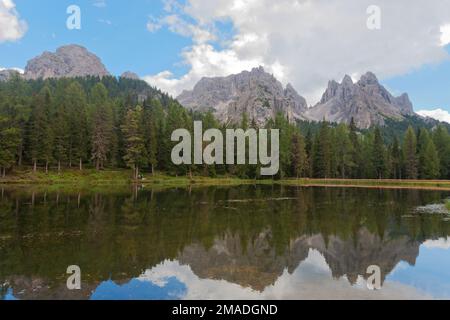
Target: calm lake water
{"points": [[248, 242]]}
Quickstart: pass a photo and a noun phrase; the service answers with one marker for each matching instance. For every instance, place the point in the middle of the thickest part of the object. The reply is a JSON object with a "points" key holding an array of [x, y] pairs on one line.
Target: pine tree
{"points": [[150, 135], [441, 139], [378, 154], [410, 154], [322, 152], [135, 156], [428, 157], [355, 155], [102, 125], [344, 151], [299, 160], [78, 125], [39, 130], [9, 141], [396, 159]]}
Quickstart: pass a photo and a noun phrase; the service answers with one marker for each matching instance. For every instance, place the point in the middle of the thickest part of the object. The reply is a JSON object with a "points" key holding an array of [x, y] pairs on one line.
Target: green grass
{"points": [[388, 183], [90, 178]]}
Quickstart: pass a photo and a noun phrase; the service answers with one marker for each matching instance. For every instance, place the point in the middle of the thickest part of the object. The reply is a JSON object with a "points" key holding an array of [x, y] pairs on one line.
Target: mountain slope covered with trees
{"points": [[112, 123]]}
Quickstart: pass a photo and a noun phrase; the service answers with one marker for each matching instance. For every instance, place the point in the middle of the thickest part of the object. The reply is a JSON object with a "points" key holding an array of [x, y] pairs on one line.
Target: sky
{"points": [[174, 43]]}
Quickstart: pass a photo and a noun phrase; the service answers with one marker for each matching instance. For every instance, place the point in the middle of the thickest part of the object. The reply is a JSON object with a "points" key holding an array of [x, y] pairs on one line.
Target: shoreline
{"points": [[113, 178]]}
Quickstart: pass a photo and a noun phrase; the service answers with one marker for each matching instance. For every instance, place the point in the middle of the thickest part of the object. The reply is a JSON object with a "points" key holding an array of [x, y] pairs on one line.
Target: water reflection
{"points": [[245, 242]]}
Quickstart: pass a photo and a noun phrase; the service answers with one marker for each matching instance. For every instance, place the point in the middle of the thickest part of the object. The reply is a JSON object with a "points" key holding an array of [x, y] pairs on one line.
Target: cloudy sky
{"points": [[173, 43]]}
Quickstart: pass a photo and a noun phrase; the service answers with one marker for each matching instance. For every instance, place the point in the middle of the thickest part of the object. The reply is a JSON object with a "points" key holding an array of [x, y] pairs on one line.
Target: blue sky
{"points": [[172, 44], [118, 37]]}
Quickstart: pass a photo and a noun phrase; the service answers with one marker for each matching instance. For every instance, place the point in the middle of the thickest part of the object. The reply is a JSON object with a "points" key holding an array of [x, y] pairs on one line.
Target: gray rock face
{"points": [[129, 75], [68, 61], [366, 101], [256, 93], [7, 74]]}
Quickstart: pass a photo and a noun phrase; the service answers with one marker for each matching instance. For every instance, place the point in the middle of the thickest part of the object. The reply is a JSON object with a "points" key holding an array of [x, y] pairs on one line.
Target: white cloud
{"points": [[19, 70], [441, 243], [11, 27], [438, 114], [310, 41], [445, 34], [312, 279]]}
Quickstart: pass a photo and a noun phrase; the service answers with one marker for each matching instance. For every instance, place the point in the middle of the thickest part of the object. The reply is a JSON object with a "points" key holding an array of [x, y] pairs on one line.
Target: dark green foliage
{"points": [[118, 123]]}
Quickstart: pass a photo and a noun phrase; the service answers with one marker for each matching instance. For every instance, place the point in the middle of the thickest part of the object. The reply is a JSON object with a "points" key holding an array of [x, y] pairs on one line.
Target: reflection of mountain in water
{"points": [[250, 242], [258, 266]]}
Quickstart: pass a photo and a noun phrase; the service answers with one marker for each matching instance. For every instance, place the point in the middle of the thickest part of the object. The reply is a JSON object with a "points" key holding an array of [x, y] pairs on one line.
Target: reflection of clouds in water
{"points": [[311, 280], [430, 274], [441, 243]]}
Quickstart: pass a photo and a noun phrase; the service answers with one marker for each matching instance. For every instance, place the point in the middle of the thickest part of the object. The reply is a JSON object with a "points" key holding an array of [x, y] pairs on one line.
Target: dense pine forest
{"points": [[112, 123]]}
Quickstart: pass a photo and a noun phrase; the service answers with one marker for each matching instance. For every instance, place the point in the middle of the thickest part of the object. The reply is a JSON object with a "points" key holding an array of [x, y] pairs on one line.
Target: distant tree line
{"points": [[118, 123]]}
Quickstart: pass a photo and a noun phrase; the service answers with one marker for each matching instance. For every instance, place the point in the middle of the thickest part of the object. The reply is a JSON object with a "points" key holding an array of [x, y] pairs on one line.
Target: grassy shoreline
{"points": [[90, 177]]}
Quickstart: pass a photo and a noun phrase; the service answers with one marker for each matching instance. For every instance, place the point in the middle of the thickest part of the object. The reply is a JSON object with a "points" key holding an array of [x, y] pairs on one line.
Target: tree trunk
{"points": [[19, 162], [4, 172], [34, 166], [59, 166], [46, 166], [81, 164], [153, 171]]}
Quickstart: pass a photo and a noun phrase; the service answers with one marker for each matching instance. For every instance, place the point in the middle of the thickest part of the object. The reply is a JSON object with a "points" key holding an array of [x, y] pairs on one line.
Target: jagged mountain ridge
{"points": [[256, 93], [366, 101]]}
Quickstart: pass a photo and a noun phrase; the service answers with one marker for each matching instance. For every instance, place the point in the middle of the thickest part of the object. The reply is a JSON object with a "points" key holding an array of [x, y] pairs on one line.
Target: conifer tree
{"points": [[79, 141], [135, 155], [102, 125], [9, 141], [410, 154], [378, 154]]}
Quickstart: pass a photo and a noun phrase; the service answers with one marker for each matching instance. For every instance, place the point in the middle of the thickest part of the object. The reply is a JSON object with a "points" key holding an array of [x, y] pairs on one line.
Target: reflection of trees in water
{"points": [[264, 230]]}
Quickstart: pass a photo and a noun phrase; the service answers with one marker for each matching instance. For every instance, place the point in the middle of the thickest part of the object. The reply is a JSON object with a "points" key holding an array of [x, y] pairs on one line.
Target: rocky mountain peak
{"points": [[367, 102], [7, 74], [347, 81], [67, 61], [255, 92], [369, 78], [129, 75]]}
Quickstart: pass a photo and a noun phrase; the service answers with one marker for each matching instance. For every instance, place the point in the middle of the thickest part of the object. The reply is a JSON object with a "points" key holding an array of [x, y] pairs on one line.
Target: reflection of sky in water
{"points": [[9, 295], [431, 274], [429, 278], [311, 280], [140, 290]]}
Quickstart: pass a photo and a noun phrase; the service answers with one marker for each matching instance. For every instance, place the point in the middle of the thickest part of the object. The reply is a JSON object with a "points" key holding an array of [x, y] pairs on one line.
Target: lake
{"points": [[246, 242]]}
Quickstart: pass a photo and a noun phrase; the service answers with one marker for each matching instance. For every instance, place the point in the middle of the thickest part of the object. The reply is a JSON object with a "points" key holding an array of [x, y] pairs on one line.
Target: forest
{"points": [[116, 123]]}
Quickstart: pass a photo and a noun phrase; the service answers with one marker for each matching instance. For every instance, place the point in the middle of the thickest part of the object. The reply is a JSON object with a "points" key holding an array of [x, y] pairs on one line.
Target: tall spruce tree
{"points": [[428, 156], [79, 140], [378, 154], [102, 125], [441, 139], [135, 156], [410, 154]]}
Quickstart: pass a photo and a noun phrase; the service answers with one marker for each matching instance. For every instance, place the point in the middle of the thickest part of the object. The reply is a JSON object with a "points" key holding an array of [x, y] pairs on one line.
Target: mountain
{"points": [[7, 74], [67, 61], [256, 93], [366, 101], [129, 75]]}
